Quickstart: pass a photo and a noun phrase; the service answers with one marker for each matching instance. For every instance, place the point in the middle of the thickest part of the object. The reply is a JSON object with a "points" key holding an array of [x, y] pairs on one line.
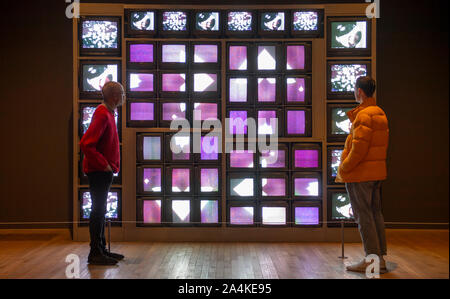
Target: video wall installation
{"points": [[169, 74]]}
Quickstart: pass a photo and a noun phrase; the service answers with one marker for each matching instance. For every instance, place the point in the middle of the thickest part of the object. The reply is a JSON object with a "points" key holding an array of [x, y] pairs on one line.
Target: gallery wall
{"points": [[36, 113]]}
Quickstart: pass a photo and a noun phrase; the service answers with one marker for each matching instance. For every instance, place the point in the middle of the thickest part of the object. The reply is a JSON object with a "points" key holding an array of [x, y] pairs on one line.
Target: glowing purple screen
{"points": [[152, 148], [267, 89], [241, 159], [172, 111], [209, 180], [279, 163], [273, 187], [141, 82], [174, 82], [174, 53], [238, 58], [264, 125], [180, 180], [238, 90], [209, 148], [306, 158], [295, 89], [295, 57], [238, 122], [208, 111], [205, 54], [306, 215], [152, 179], [142, 111], [296, 122], [209, 210], [306, 187], [152, 211], [141, 53], [241, 215]]}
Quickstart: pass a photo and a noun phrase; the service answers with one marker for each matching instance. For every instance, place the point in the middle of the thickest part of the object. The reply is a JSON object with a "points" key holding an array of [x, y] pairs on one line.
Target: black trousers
{"points": [[99, 183]]}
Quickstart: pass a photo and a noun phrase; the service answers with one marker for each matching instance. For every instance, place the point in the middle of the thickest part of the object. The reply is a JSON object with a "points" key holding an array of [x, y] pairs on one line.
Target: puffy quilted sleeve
{"points": [[362, 136]]}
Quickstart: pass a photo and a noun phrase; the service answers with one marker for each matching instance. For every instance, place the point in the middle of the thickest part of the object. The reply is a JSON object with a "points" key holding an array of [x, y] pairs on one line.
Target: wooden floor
{"points": [[42, 254]]}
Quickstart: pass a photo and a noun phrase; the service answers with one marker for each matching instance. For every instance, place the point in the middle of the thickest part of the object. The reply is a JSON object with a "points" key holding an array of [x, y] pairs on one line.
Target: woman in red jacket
{"points": [[100, 145]]}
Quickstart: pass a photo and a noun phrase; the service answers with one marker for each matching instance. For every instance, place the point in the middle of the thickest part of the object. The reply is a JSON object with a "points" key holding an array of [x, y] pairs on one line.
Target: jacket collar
{"points": [[353, 113]]}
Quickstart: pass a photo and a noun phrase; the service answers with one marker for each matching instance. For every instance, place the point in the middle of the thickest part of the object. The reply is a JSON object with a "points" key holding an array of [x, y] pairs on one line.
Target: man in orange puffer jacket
{"points": [[363, 168]]}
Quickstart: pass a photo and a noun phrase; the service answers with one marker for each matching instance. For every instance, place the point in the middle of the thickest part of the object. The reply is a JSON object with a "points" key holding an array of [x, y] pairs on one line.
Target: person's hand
{"points": [[108, 168]]}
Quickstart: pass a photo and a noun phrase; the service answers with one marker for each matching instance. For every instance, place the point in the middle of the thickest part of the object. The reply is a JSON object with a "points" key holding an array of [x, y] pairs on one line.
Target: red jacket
{"points": [[100, 143]]}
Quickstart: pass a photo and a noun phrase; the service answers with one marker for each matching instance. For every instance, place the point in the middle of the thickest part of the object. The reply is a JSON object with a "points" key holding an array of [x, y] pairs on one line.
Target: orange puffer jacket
{"points": [[364, 155]]}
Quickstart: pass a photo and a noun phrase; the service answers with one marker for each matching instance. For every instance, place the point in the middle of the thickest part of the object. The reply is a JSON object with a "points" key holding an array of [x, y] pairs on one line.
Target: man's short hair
{"points": [[110, 88], [367, 84]]}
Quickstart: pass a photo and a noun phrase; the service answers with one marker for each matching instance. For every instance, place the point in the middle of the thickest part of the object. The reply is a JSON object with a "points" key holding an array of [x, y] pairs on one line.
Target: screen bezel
{"points": [[308, 92], [169, 211], [173, 65], [140, 212], [274, 175], [174, 94], [205, 94], [168, 153], [250, 113], [140, 177], [130, 32], [330, 179], [198, 169], [208, 65], [140, 148], [319, 33], [95, 94], [242, 174], [197, 156], [307, 146], [330, 136], [197, 211], [142, 94], [100, 52], [166, 123], [330, 220], [283, 33], [367, 52], [281, 146], [275, 204], [142, 65], [240, 34], [206, 34], [308, 58], [250, 91], [278, 58], [169, 33], [307, 175], [344, 95], [251, 63], [141, 123], [281, 121], [308, 123], [168, 176], [298, 204], [240, 204]]}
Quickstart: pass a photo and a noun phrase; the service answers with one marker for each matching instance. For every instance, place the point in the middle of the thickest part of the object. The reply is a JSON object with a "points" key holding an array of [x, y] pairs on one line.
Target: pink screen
{"points": [[142, 111]]}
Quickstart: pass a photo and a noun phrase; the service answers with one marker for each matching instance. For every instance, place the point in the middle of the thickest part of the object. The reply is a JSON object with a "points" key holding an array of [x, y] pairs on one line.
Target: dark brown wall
{"points": [[36, 112]]}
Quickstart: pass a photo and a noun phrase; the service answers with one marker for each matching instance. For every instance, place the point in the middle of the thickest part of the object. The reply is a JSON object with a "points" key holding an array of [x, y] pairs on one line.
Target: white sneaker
{"points": [[362, 266]]}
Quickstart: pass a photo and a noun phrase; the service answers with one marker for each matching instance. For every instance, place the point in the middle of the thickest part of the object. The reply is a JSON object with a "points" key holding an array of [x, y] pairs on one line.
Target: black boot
{"points": [[98, 258]]}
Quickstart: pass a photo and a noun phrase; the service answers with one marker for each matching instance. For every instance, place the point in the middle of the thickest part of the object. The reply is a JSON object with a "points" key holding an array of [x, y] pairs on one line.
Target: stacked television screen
{"points": [[167, 79]]}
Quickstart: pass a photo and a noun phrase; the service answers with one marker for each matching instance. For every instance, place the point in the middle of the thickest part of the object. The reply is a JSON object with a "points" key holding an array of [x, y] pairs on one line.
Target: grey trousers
{"points": [[365, 198]]}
